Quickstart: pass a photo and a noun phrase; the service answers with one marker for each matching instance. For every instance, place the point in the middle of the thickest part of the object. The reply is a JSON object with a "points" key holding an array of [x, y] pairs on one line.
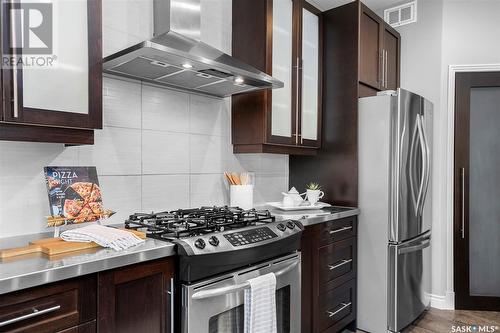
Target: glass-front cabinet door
{"points": [[310, 87], [53, 74], [283, 108]]}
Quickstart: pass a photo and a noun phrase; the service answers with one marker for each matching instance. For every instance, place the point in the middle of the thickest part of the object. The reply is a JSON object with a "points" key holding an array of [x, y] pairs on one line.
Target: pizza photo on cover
{"points": [[74, 195]]}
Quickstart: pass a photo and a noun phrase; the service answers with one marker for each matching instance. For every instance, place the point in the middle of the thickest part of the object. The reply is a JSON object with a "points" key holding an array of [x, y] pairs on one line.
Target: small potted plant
{"points": [[314, 193]]}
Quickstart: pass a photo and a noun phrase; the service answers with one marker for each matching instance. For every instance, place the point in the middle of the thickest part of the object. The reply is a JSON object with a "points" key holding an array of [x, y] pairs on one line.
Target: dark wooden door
{"points": [[370, 48], [136, 298], [391, 66], [477, 191]]}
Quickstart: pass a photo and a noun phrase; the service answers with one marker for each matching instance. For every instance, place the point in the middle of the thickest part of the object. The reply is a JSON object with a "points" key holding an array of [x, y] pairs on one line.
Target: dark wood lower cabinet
{"points": [[133, 298], [136, 298], [50, 308], [329, 268]]}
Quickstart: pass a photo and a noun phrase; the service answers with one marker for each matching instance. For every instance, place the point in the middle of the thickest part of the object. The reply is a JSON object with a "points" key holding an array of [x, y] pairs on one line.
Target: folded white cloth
{"points": [[105, 236], [260, 305]]}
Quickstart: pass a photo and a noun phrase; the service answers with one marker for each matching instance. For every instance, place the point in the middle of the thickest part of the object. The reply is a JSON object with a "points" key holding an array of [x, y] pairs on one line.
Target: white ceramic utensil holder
{"points": [[241, 196]]}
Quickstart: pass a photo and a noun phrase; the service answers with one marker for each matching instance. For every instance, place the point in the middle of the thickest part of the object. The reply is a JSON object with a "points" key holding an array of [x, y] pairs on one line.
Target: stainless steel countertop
{"points": [[36, 269], [311, 217]]}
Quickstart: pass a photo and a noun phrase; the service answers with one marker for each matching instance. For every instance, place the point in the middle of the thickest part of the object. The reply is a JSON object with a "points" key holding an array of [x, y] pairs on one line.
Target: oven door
{"points": [[217, 305]]}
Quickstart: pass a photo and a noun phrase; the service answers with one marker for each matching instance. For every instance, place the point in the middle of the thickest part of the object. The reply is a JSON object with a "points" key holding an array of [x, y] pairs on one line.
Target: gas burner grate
{"points": [[194, 222]]}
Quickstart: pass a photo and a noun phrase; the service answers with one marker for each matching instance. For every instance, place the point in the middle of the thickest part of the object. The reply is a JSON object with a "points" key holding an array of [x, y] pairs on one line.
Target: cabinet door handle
{"points": [[332, 232], [462, 199], [383, 69], [345, 261], [386, 65], [343, 307], [171, 293], [15, 96], [34, 313], [297, 102]]}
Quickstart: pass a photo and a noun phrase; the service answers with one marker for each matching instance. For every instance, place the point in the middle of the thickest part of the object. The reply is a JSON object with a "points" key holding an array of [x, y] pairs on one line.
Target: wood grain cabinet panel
{"points": [[136, 298], [369, 48]]}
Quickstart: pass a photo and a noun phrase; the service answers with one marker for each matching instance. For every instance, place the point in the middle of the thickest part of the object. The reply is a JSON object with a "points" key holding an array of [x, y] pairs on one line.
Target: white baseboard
{"points": [[446, 302]]}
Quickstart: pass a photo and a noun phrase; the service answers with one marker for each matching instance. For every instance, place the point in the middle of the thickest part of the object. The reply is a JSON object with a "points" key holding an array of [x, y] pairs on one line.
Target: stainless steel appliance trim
{"points": [[462, 192], [332, 232], [345, 261], [344, 306], [231, 289], [35, 313]]}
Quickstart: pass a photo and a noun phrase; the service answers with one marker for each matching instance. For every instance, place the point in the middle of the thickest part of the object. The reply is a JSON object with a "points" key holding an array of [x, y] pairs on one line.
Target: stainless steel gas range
{"points": [[219, 250]]}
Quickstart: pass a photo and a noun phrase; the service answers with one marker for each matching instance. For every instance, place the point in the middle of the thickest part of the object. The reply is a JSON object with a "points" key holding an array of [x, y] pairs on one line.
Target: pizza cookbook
{"points": [[74, 195]]}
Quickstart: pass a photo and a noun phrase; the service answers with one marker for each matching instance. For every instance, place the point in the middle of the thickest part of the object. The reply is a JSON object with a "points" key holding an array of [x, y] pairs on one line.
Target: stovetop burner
{"points": [[183, 223]]}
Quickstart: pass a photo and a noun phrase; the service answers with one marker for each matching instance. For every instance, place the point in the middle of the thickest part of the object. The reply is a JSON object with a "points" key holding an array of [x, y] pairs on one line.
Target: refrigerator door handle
{"points": [[427, 171], [425, 243], [410, 171], [423, 148]]}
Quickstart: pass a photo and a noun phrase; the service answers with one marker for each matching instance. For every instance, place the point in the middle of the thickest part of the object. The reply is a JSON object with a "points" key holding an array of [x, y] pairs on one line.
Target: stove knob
{"points": [[213, 241], [281, 227], [200, 243], [290, 225]]}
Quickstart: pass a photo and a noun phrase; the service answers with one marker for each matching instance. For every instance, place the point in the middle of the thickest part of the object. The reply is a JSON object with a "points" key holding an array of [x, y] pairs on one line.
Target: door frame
{"points": [[448, 190]]}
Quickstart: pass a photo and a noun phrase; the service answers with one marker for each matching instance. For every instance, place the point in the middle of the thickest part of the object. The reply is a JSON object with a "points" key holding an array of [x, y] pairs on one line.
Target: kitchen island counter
{"points": [[32, 270]]}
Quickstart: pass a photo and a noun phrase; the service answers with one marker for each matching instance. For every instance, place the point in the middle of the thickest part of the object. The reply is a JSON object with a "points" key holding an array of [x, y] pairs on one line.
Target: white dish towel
{"points": [[105, 236], [260, 305]]}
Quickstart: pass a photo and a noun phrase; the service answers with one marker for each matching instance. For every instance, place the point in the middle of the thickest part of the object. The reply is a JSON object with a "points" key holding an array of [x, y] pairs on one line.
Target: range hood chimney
{"points": [[175, 57]]}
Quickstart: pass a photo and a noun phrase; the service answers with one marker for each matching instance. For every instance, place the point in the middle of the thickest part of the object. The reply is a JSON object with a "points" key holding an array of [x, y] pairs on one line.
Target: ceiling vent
{"points": [[402, 14]]}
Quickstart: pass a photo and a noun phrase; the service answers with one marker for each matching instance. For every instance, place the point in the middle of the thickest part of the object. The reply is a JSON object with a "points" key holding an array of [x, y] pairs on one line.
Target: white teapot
{"points": [[293, 198]]}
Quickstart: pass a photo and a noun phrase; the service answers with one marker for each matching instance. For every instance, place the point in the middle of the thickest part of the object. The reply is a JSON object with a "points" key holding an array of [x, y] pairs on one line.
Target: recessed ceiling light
{"points": [[238, 80], [187, 66]]}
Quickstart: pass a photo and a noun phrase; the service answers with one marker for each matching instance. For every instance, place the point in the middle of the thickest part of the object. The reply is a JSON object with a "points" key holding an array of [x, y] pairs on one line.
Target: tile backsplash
{"points": [[159, 149]]}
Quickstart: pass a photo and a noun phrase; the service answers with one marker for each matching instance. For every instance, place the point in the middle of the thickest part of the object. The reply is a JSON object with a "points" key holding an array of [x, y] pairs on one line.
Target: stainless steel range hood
{"points": [[176, 57]]}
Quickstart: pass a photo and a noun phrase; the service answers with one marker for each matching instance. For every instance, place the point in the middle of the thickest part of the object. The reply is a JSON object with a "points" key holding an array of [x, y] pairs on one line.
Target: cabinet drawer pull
{"points": [[345, 261], [344, 306], [340, 230], [35, 313]]}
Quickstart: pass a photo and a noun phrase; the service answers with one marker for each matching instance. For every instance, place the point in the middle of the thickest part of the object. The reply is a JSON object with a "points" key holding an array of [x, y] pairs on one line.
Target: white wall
{"points": [[448, 32], [159, 149]]}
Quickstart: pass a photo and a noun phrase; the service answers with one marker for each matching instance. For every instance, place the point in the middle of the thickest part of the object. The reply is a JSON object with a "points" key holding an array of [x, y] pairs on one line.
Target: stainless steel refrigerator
{"points": [[395, 160]]}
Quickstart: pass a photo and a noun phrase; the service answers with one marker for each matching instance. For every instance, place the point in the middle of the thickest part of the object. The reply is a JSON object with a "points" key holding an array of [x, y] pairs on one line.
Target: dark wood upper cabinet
{"points": [[379, 53], [136, 298], [61, 101], [283, 39], [369, 48]]}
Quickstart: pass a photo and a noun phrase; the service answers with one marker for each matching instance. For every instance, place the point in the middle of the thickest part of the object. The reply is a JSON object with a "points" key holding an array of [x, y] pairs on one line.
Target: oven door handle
{"points": [[235, 288]]}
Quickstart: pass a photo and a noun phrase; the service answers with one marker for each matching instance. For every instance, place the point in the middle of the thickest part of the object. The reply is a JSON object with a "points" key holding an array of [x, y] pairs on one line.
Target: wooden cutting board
{"points": [[54, 246]]}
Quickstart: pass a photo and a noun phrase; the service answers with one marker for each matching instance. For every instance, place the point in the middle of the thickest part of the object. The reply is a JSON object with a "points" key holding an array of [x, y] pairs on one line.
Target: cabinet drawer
{"points": [[337, 263], [337, 308], [49, 308], [339, 229]]}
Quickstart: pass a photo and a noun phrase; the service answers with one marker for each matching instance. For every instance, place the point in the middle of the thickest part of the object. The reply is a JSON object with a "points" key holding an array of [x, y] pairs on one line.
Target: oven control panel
{"points": [[250, 236]]}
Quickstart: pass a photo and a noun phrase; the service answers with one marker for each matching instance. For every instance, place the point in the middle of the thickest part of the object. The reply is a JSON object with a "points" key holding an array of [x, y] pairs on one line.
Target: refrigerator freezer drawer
{"points": [[409, 281]]}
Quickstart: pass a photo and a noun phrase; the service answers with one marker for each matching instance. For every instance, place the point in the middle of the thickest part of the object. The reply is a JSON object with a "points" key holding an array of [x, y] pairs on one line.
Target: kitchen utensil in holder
{"points": [[241, 196]]}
